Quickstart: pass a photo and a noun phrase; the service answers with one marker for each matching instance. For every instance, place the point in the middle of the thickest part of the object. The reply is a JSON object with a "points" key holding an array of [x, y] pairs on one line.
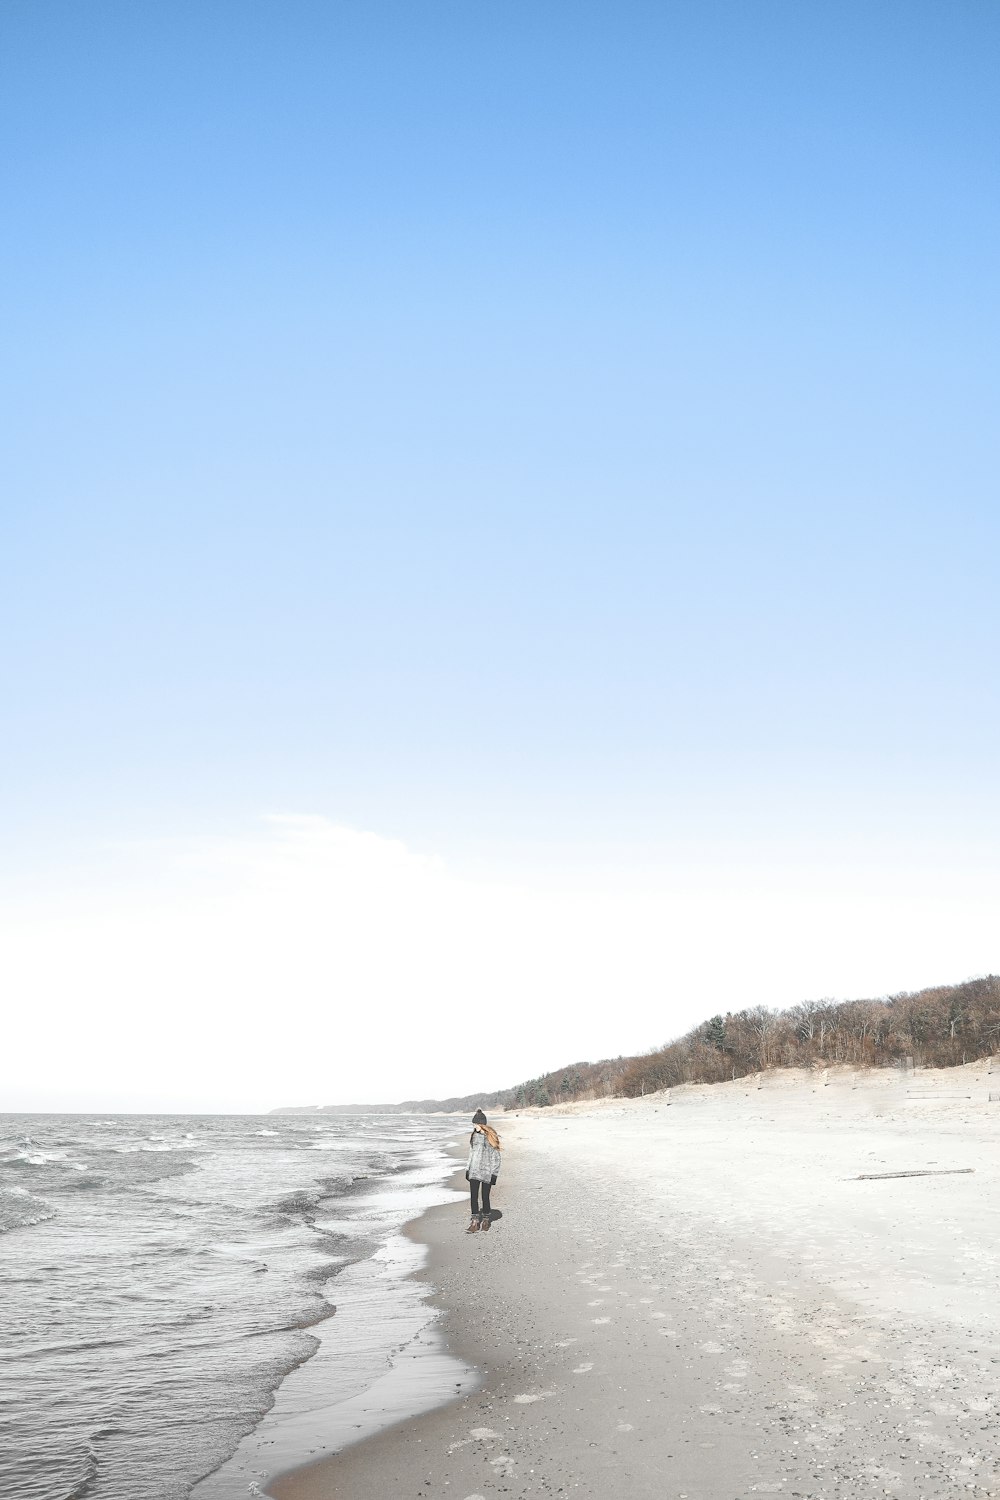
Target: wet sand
{"points": [[704, 1300]]}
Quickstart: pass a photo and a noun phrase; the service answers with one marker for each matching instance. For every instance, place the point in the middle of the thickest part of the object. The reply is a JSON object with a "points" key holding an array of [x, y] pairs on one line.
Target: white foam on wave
{"points": [[188, 1282], [46, 1159], [19, 1208], [155, 1144]]}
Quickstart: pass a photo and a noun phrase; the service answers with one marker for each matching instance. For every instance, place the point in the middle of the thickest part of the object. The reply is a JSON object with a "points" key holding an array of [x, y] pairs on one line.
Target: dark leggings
{"points": [[474, 1187]]}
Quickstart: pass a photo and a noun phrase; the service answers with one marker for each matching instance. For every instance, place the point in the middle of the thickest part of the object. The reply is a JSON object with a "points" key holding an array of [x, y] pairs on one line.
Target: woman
{"points": [[481, 1173]]}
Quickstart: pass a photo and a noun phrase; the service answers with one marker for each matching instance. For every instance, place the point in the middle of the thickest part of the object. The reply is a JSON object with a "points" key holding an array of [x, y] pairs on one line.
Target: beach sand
{"points": [[697, 1297]]}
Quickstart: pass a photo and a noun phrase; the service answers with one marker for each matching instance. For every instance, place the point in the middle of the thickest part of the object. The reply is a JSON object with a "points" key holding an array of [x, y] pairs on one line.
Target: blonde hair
{"points": [[491, 1135]]}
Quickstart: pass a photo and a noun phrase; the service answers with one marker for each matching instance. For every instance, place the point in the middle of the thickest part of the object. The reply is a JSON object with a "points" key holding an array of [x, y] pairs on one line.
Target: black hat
{"points": [[479, 1118]]}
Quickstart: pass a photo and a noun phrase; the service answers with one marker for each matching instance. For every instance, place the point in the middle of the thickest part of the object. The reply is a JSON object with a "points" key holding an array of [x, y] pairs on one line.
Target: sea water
{"points": [[160, 1277]]}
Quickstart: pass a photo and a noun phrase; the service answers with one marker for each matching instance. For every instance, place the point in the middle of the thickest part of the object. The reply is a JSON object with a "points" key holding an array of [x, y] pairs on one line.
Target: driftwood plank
{"points": [[941, 1172]]}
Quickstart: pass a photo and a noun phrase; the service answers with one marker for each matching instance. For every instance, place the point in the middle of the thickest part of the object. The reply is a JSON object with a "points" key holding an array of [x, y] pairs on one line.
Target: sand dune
{"points": [[710, 1296]]}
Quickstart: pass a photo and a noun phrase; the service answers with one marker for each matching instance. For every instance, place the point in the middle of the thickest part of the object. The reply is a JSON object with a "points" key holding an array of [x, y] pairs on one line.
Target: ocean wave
{"points": [[181, 1317], [324, 1270], [336, 1187], [35, 1158], [304, 1201], [19, 1209], [195, 1315], [137, 1167], [83, 1483], [308, 1319], [339, 1247], [56, 1348], [84, 1181], [106, 1170]]}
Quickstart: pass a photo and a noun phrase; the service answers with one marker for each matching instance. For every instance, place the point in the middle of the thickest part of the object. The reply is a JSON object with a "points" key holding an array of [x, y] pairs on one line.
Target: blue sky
{"points": [[533, 432]]}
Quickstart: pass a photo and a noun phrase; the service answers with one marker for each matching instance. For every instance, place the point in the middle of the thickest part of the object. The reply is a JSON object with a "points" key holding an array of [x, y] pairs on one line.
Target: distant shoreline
{"points": [[944, 1026]]}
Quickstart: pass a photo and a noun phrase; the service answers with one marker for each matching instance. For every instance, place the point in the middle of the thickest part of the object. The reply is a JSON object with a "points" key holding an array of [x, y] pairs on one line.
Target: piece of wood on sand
{"points": [[937, 1172]]}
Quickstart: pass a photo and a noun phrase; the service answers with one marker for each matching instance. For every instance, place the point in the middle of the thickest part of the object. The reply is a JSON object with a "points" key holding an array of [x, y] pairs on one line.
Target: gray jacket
{"points": [[484, 1159]]}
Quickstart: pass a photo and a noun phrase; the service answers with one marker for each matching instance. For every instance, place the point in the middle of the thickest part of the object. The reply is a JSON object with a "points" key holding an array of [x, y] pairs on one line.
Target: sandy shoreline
{"points": [[703, 1300]]}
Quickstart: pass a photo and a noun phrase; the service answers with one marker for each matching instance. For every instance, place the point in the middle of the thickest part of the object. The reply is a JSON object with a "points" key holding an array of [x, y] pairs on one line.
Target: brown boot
{"points": [[485, 1221], [474, 1226]]}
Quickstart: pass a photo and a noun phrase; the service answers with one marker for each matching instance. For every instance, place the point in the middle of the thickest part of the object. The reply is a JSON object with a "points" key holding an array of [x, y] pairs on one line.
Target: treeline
{"points": [[936, 1028], [581, 1080], [459, 1104]]}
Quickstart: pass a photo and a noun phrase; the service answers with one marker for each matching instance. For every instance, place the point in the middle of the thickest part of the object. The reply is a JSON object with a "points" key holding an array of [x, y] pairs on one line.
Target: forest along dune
{"points": [[717, 1294]]}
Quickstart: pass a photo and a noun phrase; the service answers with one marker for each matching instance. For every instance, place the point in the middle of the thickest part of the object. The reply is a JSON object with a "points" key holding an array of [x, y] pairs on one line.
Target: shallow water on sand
{"points": [[161, 1275]]}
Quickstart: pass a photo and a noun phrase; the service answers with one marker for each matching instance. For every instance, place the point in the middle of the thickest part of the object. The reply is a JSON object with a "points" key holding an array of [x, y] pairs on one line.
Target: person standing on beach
{"points": [[481, 1173]]}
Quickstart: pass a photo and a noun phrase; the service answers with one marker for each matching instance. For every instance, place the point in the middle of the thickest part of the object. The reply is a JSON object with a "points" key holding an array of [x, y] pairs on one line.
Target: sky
{"points": [[499, 532]]}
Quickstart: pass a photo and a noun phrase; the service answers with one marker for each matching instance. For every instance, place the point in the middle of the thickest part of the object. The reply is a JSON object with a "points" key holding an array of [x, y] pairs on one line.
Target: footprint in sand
{"points": [[565, 1343], [528, 1399], [711, 1348], [583, 1369], [657, 1315], [600, 1320], [624, 1427], [482, 1434], [597, 1302]]}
